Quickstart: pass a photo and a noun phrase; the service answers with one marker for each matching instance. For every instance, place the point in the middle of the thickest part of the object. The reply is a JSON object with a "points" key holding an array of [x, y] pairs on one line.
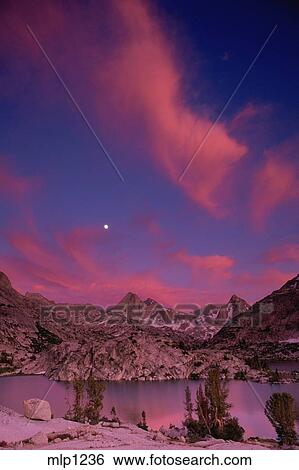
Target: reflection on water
{"points": [[285, 365], [162, 401]]}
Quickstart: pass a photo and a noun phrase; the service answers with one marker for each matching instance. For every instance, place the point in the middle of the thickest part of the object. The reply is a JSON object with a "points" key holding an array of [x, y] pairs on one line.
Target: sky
{"points": [[160, 83]]}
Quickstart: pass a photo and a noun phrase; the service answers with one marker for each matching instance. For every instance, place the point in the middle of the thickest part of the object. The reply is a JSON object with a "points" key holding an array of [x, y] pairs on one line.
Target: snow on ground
{"points": [[15, 427]]}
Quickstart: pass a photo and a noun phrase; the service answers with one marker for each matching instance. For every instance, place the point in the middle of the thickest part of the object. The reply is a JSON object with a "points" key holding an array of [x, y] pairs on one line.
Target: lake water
{"points": [[162, 401], [285, 365]]}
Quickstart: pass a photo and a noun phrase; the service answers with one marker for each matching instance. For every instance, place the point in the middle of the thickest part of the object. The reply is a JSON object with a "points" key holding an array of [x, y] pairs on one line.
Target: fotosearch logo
{"points": [[184, 316]]}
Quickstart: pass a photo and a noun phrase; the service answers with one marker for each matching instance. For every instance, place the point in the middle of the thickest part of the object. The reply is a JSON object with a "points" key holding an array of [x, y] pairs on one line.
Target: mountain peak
{"points": [[39, 298], [131, 299], [290, 284], [150, 301], [4, 281], [236, 299]]}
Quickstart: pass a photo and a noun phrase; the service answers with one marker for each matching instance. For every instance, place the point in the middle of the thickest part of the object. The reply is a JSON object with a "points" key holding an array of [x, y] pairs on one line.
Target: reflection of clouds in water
{"points": [[163, 402]]}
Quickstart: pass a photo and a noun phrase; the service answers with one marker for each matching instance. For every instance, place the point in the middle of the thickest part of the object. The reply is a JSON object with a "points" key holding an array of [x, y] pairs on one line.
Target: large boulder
{"points": [[34, 408]]}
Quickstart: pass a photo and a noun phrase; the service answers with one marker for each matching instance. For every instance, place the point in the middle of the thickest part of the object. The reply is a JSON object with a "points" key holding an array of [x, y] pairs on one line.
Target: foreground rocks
{"points": [[174, 432], [35, 408], [39, 439]]}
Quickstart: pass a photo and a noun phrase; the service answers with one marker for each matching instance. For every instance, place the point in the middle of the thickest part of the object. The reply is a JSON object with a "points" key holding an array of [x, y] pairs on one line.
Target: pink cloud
{"points": [[12, 185], [247, 113], [257, 285], [144, 81], [35, 258], [72, 272], [275, 183], [282, 253], [135, 80], [214, 264], [78, 244]]}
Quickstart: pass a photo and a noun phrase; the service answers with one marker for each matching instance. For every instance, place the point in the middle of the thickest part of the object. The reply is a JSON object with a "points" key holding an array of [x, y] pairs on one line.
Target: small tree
{"points": [[76, 412], [281, 411], [93, 408], [212, 410], [202, 409], [114, 417], [143, 424], [240, 375], [88, 401], [217, 393], [256, 362], [188, 405], [113, 414]]}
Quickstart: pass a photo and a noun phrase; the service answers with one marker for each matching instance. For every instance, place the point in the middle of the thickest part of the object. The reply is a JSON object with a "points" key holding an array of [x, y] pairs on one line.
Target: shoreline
{"points": [[261, 379], [18, 432]]}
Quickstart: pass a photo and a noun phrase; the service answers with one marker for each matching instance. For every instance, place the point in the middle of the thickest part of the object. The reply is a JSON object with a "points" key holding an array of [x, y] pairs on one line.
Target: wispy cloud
{"points": [[133, 79], [283, 253], [218, 265], [276, 182], [146, 78], [248, 114], [12, 184]]}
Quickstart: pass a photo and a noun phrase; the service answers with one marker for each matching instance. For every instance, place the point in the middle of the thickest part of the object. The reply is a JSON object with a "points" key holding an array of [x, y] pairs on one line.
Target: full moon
{"points": [[106, 227]]}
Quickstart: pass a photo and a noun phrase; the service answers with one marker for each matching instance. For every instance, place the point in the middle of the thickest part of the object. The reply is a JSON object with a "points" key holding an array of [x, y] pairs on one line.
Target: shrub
{"points": [[44, 339], [114, 417], [274, 376], [281, 411], [196, 430], [240, 375], [231, 430], [194, 376], [256, 363], [6, 358], [5, 370]]}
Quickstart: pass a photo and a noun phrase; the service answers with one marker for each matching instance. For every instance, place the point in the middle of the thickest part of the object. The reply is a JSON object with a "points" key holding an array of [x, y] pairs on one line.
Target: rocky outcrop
{"points": [[273, 319], [131, 353], [269, 329], [21, 335]]}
